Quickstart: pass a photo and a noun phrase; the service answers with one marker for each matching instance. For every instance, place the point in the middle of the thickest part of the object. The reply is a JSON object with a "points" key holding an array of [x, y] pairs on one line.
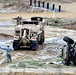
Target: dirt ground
{"points": [[44, 14], [36, 74], [42, 51], [49, 32]]}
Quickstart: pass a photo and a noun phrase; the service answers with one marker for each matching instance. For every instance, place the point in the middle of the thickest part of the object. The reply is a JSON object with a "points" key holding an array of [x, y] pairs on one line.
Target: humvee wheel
{"points": [[74, 60], [67, 62]]}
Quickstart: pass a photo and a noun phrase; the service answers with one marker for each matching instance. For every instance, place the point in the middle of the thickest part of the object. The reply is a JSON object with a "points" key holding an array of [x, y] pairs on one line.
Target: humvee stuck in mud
{"points": [[29, 33]]}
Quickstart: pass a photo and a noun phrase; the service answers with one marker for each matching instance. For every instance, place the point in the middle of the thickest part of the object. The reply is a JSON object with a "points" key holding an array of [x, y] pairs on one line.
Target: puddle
{"points": [[3, 43], [6, 11], [57, 40], [6, 23]]}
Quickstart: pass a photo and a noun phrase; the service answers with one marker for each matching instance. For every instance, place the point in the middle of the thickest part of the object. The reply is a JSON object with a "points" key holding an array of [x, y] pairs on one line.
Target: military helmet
{"points": [[7, 45]]}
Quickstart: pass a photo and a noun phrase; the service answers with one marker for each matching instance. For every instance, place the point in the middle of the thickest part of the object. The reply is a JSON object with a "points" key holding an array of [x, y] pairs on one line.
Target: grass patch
{"points": [[55, 22], [30, 64], [58, 21]]}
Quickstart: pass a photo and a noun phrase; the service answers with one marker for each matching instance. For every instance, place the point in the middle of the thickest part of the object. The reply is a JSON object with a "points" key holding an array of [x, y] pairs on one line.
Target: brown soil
{"points": [[26, 54], [31, 53], [44, 14], [70, 26], [31, 73]]}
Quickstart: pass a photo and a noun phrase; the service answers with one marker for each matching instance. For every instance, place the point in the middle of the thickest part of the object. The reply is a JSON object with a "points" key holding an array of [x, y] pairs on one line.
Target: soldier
{"points": [[8, 53], [18, 20]]}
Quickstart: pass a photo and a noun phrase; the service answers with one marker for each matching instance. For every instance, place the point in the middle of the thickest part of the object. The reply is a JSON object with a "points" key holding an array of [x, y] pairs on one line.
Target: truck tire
{"points": [[15, 44], [69, 40], [41, 39], [34, 45]]}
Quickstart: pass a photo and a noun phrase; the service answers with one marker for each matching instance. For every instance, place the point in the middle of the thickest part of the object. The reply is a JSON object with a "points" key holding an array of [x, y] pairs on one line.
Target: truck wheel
{"points": [[69, 40], [34, 45], [15, 44], [40, 42], [41, 39], [17, 48]]}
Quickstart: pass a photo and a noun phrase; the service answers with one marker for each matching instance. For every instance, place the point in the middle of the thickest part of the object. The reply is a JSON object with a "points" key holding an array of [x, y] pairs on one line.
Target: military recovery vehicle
{"points": [[29, 33]]}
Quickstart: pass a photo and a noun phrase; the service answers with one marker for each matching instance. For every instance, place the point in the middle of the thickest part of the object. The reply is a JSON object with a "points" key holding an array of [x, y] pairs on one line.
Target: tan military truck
{"points": [[29, 33]]}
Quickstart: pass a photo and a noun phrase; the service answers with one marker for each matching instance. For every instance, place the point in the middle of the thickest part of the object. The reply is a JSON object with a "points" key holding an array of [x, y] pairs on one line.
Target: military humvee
{"points": [[69, 51], [29, 33]]}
